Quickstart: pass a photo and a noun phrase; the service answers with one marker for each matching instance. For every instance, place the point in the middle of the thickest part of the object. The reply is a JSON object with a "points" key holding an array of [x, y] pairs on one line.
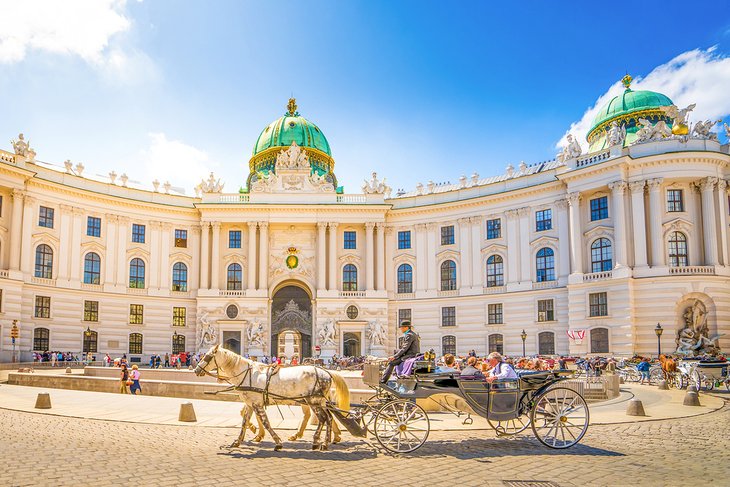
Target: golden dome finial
{"points": [[292, 107], [626, 80]]}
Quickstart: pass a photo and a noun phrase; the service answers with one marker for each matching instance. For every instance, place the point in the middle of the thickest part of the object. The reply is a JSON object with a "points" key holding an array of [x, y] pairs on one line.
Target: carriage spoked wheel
{"points": [[559, 417], [511, 426], [401, 426]]}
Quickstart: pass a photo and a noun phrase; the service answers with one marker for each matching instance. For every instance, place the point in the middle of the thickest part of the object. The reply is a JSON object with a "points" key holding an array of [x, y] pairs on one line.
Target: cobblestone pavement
{"points": [[40, 449]]}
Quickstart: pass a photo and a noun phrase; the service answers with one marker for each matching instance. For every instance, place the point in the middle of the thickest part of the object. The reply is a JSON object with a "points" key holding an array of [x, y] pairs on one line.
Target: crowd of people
{"points": [[62, 359]]}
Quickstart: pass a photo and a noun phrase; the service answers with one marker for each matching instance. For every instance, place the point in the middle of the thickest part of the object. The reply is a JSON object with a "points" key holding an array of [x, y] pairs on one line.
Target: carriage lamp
{"points": [[659, 330], [87, 332], [524, 337]]}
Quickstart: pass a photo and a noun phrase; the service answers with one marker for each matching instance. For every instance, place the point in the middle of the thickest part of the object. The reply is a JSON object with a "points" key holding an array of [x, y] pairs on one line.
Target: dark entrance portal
{"points": [[291, 322]]}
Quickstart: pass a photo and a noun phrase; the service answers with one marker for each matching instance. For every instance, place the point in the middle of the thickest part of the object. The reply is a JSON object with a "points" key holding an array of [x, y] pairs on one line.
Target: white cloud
{"points": [[172, 160], [697, 76]]}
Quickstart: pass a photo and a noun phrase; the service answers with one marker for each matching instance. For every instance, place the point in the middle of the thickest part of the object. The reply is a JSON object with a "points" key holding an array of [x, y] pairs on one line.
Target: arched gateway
{"points": [[291, 322]]}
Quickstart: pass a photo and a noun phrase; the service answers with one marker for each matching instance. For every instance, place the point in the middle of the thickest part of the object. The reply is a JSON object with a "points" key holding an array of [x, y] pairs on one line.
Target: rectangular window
{"points": [[448, 316], [234, 239], [45, 217], [137, 233], [447, 235], [178, 316], [91, 310], [42, 307], [494, 314], [598, 304], [675, 200], [599, 208], [181, 238], [543, 220], [93, 226], [404, 315], [350, 240], [1, 206], [135, 343], [545, 310], [494, 228], [136, 314], [404, 240]]}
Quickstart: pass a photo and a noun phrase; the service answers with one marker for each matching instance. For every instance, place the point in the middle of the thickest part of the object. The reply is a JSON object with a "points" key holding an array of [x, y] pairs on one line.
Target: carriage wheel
{"points": [[727, 384], [511, 426], [559, 417], [709, 384], [656, 375], [401, 426], [681, 381]]}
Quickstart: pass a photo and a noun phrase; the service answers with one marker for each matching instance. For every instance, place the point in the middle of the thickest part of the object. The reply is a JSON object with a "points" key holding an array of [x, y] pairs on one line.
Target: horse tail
{"points": [[342, 392]]}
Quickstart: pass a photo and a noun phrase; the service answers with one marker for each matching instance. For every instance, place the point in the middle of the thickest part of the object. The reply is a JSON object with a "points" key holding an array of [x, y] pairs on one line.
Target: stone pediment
{"points": [[137, 251], [292, 174], [180, 256], [405, 259], [543, 240], [350, 259], [494, 249], [677, 225], [447, 254], [93, 246], [599, 231]]}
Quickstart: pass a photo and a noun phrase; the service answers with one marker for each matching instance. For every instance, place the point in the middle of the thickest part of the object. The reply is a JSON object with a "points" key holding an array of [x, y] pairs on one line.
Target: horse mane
{"points": [[232, 358]]}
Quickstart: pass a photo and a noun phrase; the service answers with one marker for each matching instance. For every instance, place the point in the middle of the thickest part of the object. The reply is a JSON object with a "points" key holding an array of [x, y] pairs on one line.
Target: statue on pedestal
{"points": [[377, 333], [327, 333], [209, 336], [694, 338], [256, 334]]}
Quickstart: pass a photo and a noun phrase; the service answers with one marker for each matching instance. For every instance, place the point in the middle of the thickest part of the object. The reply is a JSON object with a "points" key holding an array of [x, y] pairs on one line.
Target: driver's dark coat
{"points": [[411, 346]]}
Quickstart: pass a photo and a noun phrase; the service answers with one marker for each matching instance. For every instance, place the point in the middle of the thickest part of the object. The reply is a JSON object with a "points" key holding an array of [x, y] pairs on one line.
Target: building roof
{"points": [[291, 127]]}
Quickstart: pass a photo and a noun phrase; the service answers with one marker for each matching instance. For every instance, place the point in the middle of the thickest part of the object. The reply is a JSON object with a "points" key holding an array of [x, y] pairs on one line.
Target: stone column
{"points": [[656, 211], [421, 260], [380, 258], [390, 246], [639, 223], [29, 216], [153, 265], [369, 256], [251, 260], [111, 247], [618, 188], [64, 253], [16, 226], [513, 244], [696, 244], [195, 250], [204, 254], [432, 266], [563, 238], [723, 208], [709, 225], [525, 253], [122, 269], [77, 230], [332, 249], [464, 268], [264, 255], [476, 252], [215, 264], [576, 234], [321, 256], [165, 278]]}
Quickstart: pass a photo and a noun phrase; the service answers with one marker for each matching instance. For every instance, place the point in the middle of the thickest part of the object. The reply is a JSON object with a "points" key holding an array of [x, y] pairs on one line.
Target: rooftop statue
{"points": [[292, 158], [570, 151], [702, 130], [679, 118], [649, 131], [211, 185], [694, 338], [727, 131], [22, 148], [375, 186], [616, 134]]}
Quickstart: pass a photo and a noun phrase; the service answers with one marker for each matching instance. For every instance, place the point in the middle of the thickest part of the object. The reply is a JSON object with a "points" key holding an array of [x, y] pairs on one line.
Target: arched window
{"points": [[234, 277], [546, 343], [495, 271], [179, 277], [448, 344], [90, 341], [448, 275], [41, 340], [601, 258], [349, 278], [136, 274], [496, 343], [599, 340], [178, 343], [135, 343], [405, 278], [44, 261], [545, 264], [677, 250], [92, 268]]}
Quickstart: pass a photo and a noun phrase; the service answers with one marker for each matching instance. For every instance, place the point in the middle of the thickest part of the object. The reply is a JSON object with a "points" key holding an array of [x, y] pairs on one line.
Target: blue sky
{"points": [[416, 91]]}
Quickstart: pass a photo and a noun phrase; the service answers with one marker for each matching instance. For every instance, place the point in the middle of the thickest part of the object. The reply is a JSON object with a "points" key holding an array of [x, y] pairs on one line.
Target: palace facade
{"points": [[584, 254]]}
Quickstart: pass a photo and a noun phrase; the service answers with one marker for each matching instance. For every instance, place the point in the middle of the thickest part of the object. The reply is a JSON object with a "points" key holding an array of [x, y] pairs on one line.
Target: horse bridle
{"points": [[212, 356]]}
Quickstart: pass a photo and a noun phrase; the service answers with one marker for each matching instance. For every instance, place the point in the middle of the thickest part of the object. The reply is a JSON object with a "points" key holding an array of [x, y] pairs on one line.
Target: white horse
{"points": [[256, 382]]}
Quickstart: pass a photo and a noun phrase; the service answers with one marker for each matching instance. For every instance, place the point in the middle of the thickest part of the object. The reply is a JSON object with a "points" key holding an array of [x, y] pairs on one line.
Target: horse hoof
{"points": [[278, 448], [293, 438], [323, 448], [337, 440], [315, 447], [235, 444], [258, 438]]}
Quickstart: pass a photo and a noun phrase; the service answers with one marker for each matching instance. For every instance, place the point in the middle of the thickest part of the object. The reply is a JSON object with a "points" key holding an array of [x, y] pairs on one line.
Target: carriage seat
{"points": [[424, 366]]}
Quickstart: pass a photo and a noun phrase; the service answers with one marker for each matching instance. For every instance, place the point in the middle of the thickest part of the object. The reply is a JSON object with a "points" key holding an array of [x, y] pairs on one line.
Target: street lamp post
{"points": [[523, 335], [659, 330], [14, 334]]}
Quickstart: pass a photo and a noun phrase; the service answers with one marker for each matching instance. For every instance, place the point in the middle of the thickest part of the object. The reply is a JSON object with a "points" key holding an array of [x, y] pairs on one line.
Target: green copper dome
{"points": [[292, 127]]}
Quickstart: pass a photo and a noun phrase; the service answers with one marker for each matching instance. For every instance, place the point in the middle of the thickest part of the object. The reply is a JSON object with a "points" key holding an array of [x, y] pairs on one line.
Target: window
{"points": [[405, 278], [598, 304], [179, 314], [136, 314], [136, 274], [494, 228], [350, 239], [545, 310], [41, 341], [45, 217], [137, 233], [404, 240], [93, 226], [42, 307], [135, 343], [495, 271], [91, 338], [599, 340], [675, 201], [92, 268], [494, 314], [234, 277], [546, 343], [234, 239], [349, 278], [447, 235], [448, 344], [178, 343], [601, 259], [181, 238], [91, 311], [599, 208], [404, 315], [545, 264], [543, 220], [496, 343], [678, 250], [448, 316], [44, 261], [448, 275], [180, 277]]}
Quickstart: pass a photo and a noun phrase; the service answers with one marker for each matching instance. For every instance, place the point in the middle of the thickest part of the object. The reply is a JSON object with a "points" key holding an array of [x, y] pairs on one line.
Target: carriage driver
{"points": [[411, 348], [499, 369]]}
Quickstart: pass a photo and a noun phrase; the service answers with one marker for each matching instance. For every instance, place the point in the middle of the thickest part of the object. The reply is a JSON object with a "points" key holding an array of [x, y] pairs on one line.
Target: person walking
{"points": [[134, 376], [167, 360], [643, 369], [124, 376]]}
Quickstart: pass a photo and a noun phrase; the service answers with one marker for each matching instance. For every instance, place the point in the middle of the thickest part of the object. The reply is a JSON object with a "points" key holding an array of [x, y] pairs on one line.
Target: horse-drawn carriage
{"points": [[705, 373]]}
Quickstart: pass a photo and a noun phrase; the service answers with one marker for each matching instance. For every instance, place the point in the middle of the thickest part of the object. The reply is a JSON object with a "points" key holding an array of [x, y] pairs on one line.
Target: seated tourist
{"points": [[470, 370], [449, 362], [499, 369]]}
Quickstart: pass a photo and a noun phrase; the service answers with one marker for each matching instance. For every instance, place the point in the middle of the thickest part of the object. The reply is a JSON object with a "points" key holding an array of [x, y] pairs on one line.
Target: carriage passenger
{"points": [[471, 370], [499, 369], [449, 363]]}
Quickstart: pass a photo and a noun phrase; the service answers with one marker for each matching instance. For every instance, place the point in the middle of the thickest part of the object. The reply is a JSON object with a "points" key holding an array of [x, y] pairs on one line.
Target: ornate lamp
{"points": [[88, 332], [659, 330], [523, 335]]}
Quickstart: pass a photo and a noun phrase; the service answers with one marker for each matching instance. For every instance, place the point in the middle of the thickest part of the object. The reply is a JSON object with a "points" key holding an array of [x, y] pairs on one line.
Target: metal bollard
{"points": [[635, 408], [43, 401], [187, 413]]}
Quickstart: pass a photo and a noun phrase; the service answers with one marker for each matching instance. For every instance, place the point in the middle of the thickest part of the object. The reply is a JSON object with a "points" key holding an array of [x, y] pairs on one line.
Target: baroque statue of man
{"points": [[377, 333], [327, 333], [209, 336]]}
